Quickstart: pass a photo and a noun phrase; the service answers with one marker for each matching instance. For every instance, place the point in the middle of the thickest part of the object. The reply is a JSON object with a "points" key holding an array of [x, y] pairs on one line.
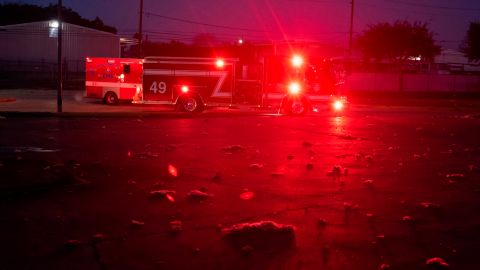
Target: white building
{"points": [[36, 42]]}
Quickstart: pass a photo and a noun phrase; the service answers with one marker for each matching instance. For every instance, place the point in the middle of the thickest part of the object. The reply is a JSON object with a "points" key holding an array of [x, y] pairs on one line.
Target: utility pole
{"points": [[351, 30], [140, 30], [59, 50]]}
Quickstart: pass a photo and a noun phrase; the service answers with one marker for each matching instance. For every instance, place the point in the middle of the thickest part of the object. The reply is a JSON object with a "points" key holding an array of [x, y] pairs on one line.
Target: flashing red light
{"points": [[294, 88], [220, 63], [297, 61], [338, 105], [185, 89]]}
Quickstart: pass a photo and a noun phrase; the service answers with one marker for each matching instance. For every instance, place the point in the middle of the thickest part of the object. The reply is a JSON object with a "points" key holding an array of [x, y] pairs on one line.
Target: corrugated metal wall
{"points": [[32, 42]]}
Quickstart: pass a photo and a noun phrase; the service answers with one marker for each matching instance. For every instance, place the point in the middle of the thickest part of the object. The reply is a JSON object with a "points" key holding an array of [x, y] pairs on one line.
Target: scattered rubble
{"points": [[136, 223], [198, 195], [175, 226], [261, 227], [384, 266], [309, 166], [336, 171], [322, 223], [163, 194], [73, 243], [217, 177], [455, 177], [233, 148], [437, 263], [368, 183], [256, 166], [307, 144]]}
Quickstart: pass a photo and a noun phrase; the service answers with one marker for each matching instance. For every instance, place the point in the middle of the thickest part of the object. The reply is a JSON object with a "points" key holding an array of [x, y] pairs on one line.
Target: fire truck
{"points": [[192, 84], [113, 79]]}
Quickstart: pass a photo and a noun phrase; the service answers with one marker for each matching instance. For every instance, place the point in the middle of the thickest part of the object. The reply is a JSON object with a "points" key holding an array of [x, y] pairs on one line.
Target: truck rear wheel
{"points": [[190, 104], [110, 98]]}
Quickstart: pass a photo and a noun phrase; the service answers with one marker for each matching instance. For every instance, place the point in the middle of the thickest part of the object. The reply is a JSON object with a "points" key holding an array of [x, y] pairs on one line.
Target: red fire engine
{"points": [[113, 79], [192, 84]]}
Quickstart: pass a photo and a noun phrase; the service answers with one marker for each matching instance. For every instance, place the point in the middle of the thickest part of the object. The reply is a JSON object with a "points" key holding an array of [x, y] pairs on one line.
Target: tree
{"points": [[471, 44], [24, 13], [398, 41]]}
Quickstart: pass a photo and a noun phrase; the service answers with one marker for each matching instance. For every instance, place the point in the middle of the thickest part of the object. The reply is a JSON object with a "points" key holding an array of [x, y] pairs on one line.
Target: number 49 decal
{"points": [[160, 87]]}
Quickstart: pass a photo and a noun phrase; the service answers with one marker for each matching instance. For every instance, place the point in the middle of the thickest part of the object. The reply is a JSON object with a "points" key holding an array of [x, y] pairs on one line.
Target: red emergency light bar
{"points": [[297, 61], [220, 63]]}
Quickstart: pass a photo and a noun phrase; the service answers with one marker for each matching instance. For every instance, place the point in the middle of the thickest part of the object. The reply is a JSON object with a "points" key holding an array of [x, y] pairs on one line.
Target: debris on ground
{"points": [[261, 227], [322, 223], [307, 144], [163, 194], [175, 226], [455, 177], [370, 217], [247, 249], [336, 171], [98, 237], [429, 205], [172, 170], [136, 223], [144, 155], [73, 243], [347, 137], [309, 166], [384, 266], [198, 195], [277, 174], [368, 183], [407, 219], [247, 195], [437, 263], [256, 166], [233, 148], [217, 177]]}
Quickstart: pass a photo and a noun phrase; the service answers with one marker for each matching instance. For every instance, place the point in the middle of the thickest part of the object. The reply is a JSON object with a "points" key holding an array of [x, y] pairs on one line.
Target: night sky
{"points": [[274, 20]]}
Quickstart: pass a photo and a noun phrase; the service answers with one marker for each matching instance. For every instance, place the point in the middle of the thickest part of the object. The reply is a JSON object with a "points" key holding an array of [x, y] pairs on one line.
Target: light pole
{"points": [[350, 42], [59, 51], [140, 30]]}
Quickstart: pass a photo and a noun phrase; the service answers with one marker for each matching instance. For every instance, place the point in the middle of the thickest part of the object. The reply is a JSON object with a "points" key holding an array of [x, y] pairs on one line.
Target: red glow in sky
{"points": [[275, 20]]}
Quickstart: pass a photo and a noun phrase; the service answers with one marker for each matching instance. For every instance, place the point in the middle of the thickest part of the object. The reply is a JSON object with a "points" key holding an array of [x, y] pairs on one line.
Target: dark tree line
{"points": [[398, 41], [12, 13]]}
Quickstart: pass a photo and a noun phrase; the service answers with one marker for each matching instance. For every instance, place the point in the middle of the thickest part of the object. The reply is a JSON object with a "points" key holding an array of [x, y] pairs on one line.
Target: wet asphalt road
{"points": [[76, 191]]}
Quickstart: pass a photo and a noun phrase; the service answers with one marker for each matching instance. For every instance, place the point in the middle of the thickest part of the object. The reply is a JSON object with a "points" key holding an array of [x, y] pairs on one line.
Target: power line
{"points": [[434, 6]]}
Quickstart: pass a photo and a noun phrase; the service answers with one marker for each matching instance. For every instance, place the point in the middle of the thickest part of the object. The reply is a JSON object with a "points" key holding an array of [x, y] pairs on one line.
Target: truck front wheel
{"points": [[190, 104]]}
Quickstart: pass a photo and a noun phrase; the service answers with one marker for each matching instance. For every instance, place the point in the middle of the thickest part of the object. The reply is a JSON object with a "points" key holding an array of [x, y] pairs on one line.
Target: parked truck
{"points": [[192, 84]]}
